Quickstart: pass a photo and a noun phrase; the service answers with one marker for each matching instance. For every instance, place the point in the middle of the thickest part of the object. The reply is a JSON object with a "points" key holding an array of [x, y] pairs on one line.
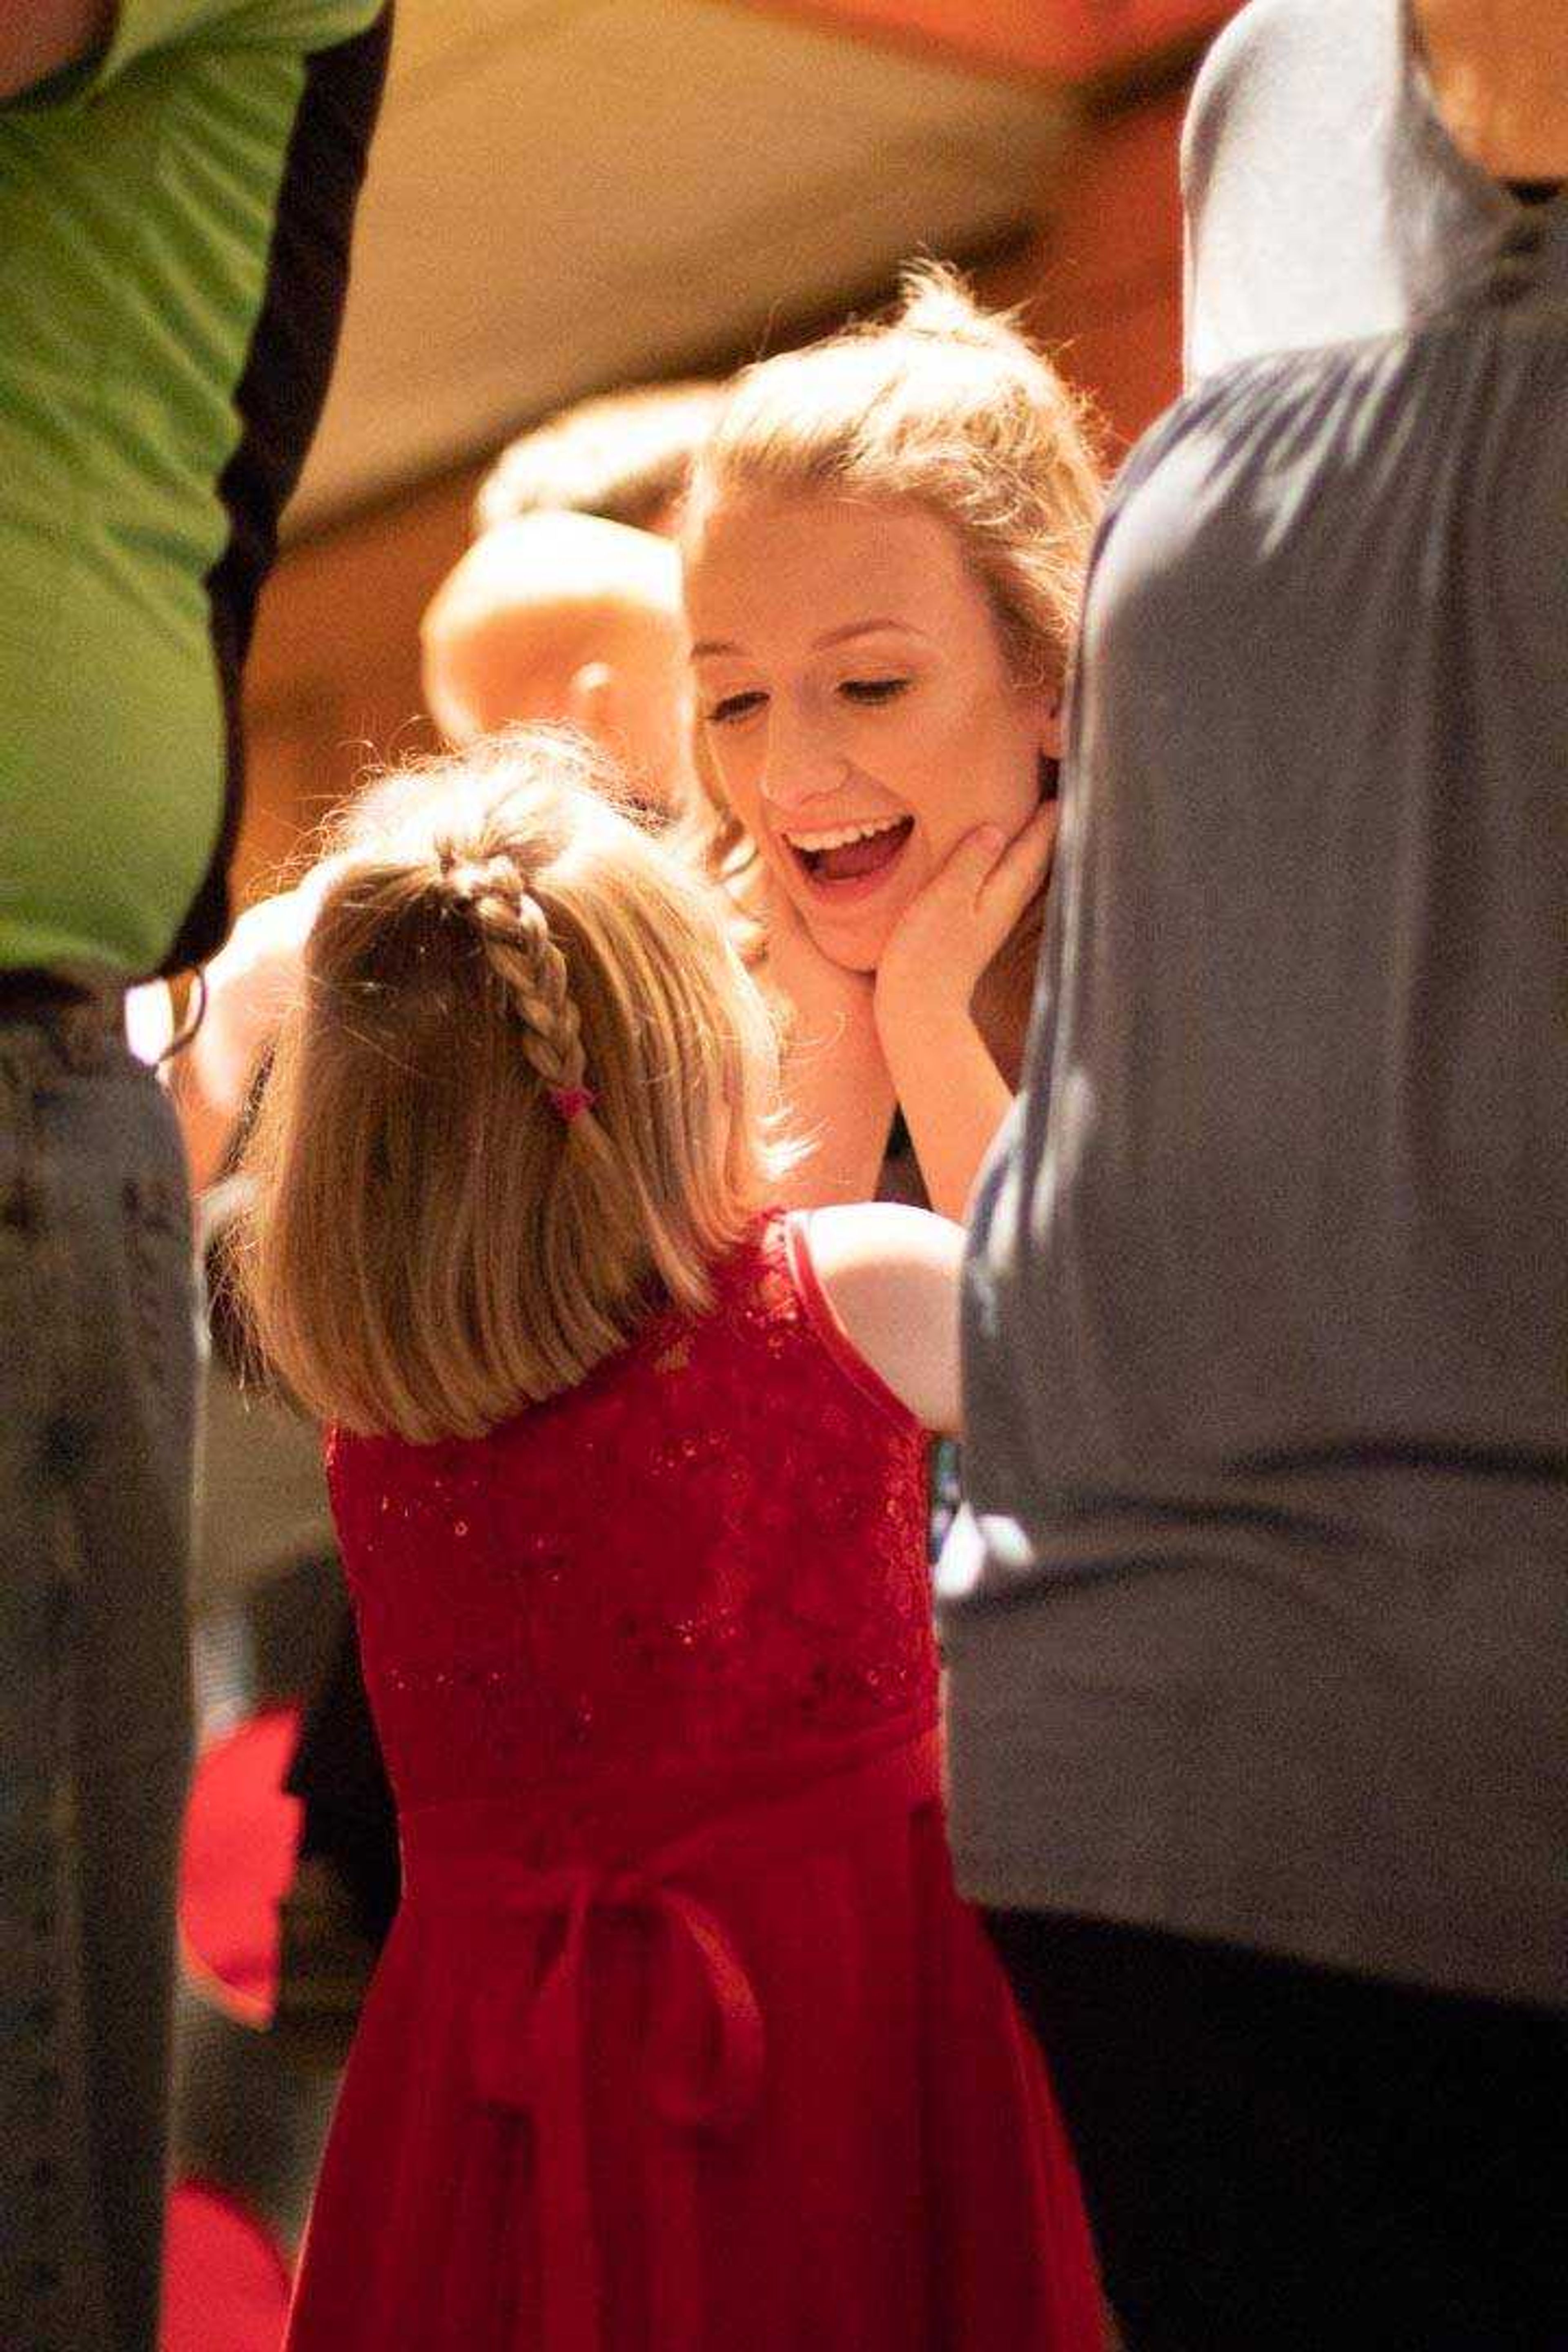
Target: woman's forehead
{"points": [[815, 563]]}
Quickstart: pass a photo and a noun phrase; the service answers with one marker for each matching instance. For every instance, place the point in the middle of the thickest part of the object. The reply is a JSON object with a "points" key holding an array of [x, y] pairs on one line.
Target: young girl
{"points": [[683, 2041]]}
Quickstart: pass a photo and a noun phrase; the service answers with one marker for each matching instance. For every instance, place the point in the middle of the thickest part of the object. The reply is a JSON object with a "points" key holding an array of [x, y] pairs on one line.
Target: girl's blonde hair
{"points": [[433, 1244], [944, 406]]}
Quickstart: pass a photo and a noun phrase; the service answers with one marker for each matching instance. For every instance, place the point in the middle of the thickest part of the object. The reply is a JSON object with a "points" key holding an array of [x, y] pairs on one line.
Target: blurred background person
{"points": [[176, 192], [567, 606], [567, 617], [1256, 1620], [624, 455]]}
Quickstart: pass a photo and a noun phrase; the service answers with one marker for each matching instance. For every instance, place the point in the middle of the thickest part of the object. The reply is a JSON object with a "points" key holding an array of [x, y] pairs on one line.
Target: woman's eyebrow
{"points": [[829, 636], [864, 629]]}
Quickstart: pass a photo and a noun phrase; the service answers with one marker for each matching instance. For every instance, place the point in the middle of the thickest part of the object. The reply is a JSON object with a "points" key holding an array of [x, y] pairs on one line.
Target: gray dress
{"points": [[1256, 1619]]}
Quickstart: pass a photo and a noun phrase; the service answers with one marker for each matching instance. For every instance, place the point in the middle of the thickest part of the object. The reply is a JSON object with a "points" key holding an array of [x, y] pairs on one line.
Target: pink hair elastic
{"points": [[571, 1102]]}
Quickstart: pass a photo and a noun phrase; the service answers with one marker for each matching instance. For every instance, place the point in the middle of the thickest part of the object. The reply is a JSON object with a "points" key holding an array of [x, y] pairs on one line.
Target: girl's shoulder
{"points": [[876, 1286]]}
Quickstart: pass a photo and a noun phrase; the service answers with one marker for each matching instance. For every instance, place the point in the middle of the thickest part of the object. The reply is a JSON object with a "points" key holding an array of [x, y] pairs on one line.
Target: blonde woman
{"points": [[681, 2039], [884, 542]]}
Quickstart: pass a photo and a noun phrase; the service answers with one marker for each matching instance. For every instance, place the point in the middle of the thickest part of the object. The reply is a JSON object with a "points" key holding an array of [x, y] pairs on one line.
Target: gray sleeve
{"points": [[1296, 225]]}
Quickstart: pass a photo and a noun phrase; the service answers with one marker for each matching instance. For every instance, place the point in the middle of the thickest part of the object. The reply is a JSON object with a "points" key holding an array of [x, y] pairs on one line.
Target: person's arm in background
{"points": [[250, 984], [1498, 71], [41, 37]]}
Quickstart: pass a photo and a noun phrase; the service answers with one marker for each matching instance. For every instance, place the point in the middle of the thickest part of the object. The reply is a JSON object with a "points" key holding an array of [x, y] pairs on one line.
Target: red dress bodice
{"points": [[710, 1553]]}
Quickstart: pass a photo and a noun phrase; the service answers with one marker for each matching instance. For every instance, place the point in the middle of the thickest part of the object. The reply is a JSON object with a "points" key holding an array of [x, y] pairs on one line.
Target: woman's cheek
{"points": [[944, 806], [775, 857], [736, 783], [996, 778]]}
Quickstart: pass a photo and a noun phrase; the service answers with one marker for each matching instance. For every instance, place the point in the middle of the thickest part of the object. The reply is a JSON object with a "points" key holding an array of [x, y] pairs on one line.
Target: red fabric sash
{"points": [[704, 2060]]}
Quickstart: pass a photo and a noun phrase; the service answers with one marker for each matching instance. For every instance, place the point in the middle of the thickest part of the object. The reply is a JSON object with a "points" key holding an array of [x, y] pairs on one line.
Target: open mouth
{"points": [[834, 855]]}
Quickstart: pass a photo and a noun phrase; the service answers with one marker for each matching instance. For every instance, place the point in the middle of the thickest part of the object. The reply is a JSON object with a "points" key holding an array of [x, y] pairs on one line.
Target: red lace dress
{"points": [[683, 2041]]}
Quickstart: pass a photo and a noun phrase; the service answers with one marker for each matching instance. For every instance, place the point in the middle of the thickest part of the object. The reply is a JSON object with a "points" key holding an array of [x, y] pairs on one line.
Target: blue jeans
{"points": [[97, 1402]]}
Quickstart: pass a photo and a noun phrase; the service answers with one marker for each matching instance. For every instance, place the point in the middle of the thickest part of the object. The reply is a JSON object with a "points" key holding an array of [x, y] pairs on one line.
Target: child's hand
{"points": [[945, 938]]}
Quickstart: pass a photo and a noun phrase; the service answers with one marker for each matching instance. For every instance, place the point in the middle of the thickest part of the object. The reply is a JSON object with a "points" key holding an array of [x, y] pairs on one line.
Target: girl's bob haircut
{"points": [[524, 1099]]}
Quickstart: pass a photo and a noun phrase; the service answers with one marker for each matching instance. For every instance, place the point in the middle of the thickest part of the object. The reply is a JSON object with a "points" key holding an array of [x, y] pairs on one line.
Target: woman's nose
{"points": [[801, 765]]}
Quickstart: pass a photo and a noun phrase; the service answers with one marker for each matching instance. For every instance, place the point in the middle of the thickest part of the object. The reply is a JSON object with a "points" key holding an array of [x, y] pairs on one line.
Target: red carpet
{"points": [[235, 1862], [225, 2284]]}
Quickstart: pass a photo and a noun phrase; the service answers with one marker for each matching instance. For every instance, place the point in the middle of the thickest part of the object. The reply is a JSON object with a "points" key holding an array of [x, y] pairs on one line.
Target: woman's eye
{"points": [[730, 707], [873, 689]]}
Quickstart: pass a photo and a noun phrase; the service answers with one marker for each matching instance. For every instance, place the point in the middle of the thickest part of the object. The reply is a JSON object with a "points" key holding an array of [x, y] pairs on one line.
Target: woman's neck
{"points": [[1499, 70], [1005, 998]]}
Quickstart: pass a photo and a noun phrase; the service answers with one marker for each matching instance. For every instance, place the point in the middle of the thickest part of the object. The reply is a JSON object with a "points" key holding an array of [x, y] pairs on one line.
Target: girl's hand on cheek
{"points": [[947, 935]]}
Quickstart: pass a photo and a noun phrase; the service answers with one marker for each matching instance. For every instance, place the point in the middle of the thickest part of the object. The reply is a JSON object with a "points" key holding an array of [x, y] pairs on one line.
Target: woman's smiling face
{"points": [[856, 703]]}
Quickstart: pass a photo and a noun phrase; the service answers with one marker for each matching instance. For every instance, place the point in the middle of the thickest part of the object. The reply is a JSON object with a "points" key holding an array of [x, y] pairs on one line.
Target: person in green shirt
{"points": [[177, 183]]}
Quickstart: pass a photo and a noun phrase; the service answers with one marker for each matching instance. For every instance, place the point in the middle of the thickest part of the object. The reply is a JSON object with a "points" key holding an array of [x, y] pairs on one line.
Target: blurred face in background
{"points": [[854, 703], [567, 617]]}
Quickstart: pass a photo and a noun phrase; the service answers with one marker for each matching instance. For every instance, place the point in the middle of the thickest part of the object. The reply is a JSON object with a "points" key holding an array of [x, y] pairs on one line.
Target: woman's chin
{"points": [[840, 945], [852, 916]]}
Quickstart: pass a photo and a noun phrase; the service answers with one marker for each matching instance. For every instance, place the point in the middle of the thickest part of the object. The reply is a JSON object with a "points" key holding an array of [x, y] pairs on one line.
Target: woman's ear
{"points": [[1051, 723], [593, 702]]}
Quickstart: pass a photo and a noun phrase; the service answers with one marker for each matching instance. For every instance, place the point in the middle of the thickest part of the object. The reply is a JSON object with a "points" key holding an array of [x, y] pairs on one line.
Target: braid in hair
{"points": [[515, 934]]}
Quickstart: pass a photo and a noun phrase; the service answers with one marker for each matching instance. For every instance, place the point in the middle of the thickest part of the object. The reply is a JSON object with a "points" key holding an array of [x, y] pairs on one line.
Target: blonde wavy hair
{"points": [[433, 1246], [947, 406]]}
